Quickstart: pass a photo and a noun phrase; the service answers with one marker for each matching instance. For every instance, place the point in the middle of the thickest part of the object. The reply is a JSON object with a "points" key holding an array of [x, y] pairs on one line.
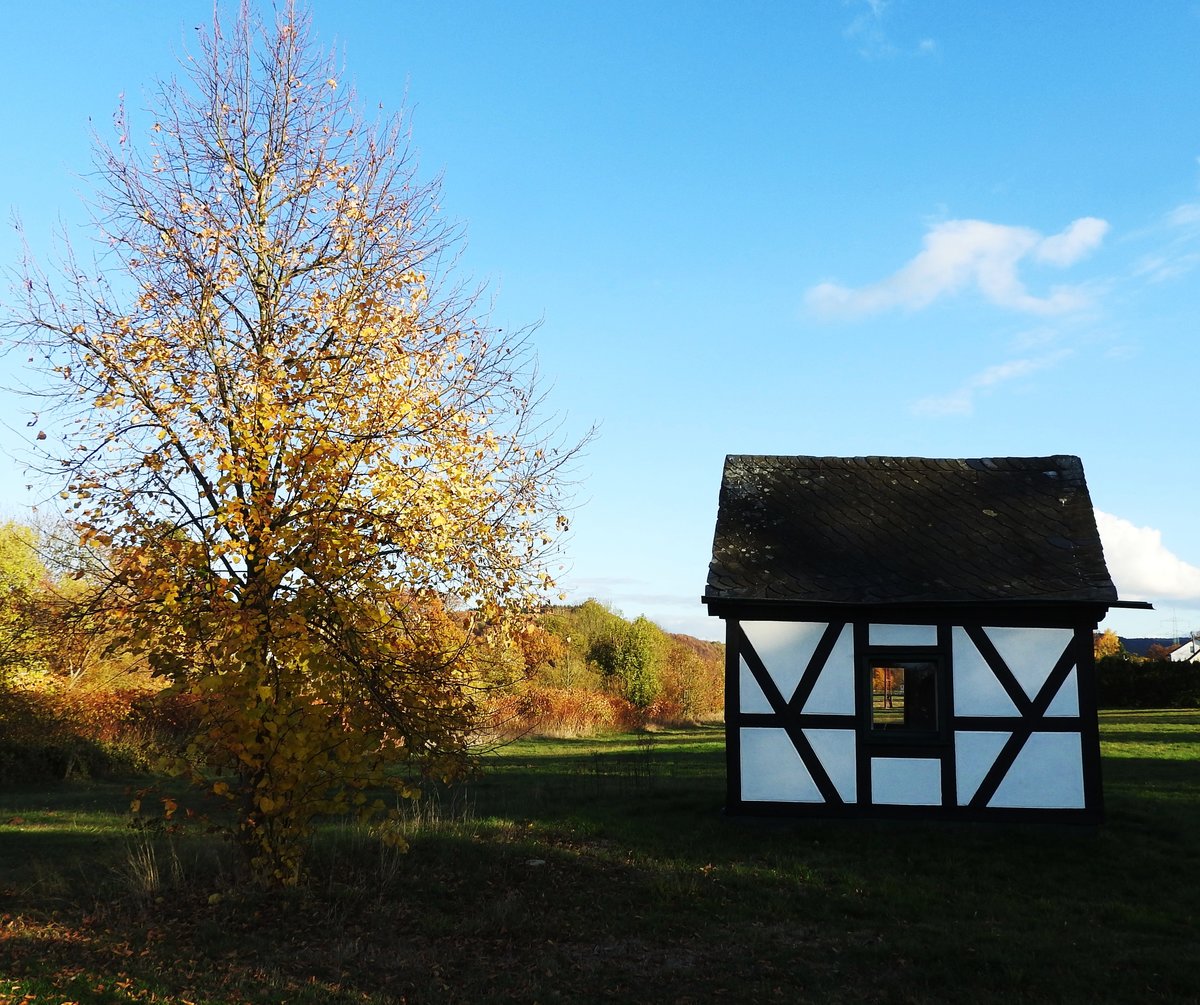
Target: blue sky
{"points": [[825, 227]]}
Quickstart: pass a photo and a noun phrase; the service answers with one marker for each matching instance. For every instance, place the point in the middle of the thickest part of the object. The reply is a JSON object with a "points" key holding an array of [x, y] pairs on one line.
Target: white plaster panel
{"points": [[974, 754], [1030, 653], [750, 695], [903, 635], [833, 694], [785, 648], [976, 689], [772, 770], [835, 750], [906, 781], [1047, 774], [1066, 702]]}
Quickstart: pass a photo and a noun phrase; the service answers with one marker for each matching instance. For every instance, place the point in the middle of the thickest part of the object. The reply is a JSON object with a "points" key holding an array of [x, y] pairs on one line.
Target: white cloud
{"points": [[1140, 564], [1072, 244], [963, 254], [961, 401]]}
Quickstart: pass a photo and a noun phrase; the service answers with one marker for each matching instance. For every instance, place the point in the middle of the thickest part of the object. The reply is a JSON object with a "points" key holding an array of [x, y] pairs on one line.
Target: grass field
{"points": [[603, 870]]}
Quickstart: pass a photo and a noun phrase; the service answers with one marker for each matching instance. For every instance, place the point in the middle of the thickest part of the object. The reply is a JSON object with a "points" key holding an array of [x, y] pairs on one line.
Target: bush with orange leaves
{"points": [[52, 733], [564, 712]]}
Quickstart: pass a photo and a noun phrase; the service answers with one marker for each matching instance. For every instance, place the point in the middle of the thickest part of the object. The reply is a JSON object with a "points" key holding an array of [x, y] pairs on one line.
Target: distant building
{"points": [[910, 636], [1189, 652]]}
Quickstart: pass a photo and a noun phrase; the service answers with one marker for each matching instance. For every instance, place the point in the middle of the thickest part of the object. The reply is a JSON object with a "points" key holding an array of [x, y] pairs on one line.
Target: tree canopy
{"points": [[316, 480]]}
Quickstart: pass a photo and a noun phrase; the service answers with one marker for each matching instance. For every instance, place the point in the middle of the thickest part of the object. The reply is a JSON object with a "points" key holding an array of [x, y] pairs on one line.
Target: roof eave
{"points": [[714, 604]]}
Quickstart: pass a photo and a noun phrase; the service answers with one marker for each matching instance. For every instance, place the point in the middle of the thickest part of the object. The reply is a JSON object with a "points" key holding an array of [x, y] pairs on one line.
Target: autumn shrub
{"points": [[669, 710], [169, 718], [51, 733], [31, 746], [692, 686], [563, 712]]}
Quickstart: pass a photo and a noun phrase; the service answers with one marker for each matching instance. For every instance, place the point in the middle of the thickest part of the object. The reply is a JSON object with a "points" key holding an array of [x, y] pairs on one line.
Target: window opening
{"points": [[904, 696]]}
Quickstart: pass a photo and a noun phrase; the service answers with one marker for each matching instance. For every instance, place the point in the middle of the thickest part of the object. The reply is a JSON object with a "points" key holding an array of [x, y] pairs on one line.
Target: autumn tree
{"points": [[1106, 643], [692, 678], [319, 483], [537, 647], [47, 638], [23, 596]]}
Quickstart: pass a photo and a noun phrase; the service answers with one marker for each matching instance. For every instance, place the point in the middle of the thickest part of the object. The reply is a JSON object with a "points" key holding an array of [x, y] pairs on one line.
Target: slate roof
{"points": [[892, 530]]}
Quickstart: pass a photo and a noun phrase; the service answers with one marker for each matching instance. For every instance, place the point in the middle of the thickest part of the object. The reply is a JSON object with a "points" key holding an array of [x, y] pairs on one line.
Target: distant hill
{"points": [[701, 647], [1140, 647]]}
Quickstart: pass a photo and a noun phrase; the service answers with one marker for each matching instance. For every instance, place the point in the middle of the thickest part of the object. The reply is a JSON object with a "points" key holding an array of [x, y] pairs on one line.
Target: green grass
{"points": [[603, 870]]}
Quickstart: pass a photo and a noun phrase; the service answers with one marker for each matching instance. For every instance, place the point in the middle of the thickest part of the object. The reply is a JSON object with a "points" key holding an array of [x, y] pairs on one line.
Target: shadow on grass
{"points": [[525, 911], [571, 874]]}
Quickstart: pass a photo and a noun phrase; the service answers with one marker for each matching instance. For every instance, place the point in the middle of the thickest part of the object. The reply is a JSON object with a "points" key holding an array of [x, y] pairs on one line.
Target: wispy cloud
{"points": [[961, 401], [867, 29], [1141, 565], [870, 32], [1160, 268], [1176, 255], [963, 254], [1185, 216]]}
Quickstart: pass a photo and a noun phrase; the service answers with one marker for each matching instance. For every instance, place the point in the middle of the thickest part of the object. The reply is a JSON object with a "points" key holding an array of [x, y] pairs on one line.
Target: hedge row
{"points": [[1122, 683], [50, 734]]}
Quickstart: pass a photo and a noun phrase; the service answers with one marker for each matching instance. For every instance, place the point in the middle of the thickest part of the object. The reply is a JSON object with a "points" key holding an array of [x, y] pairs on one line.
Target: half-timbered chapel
{"points": [[910, 636]]}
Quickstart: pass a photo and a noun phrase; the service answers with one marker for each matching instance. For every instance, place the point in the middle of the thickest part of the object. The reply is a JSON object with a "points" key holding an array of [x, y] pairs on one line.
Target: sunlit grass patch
{"points": [[1169, 734]]}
